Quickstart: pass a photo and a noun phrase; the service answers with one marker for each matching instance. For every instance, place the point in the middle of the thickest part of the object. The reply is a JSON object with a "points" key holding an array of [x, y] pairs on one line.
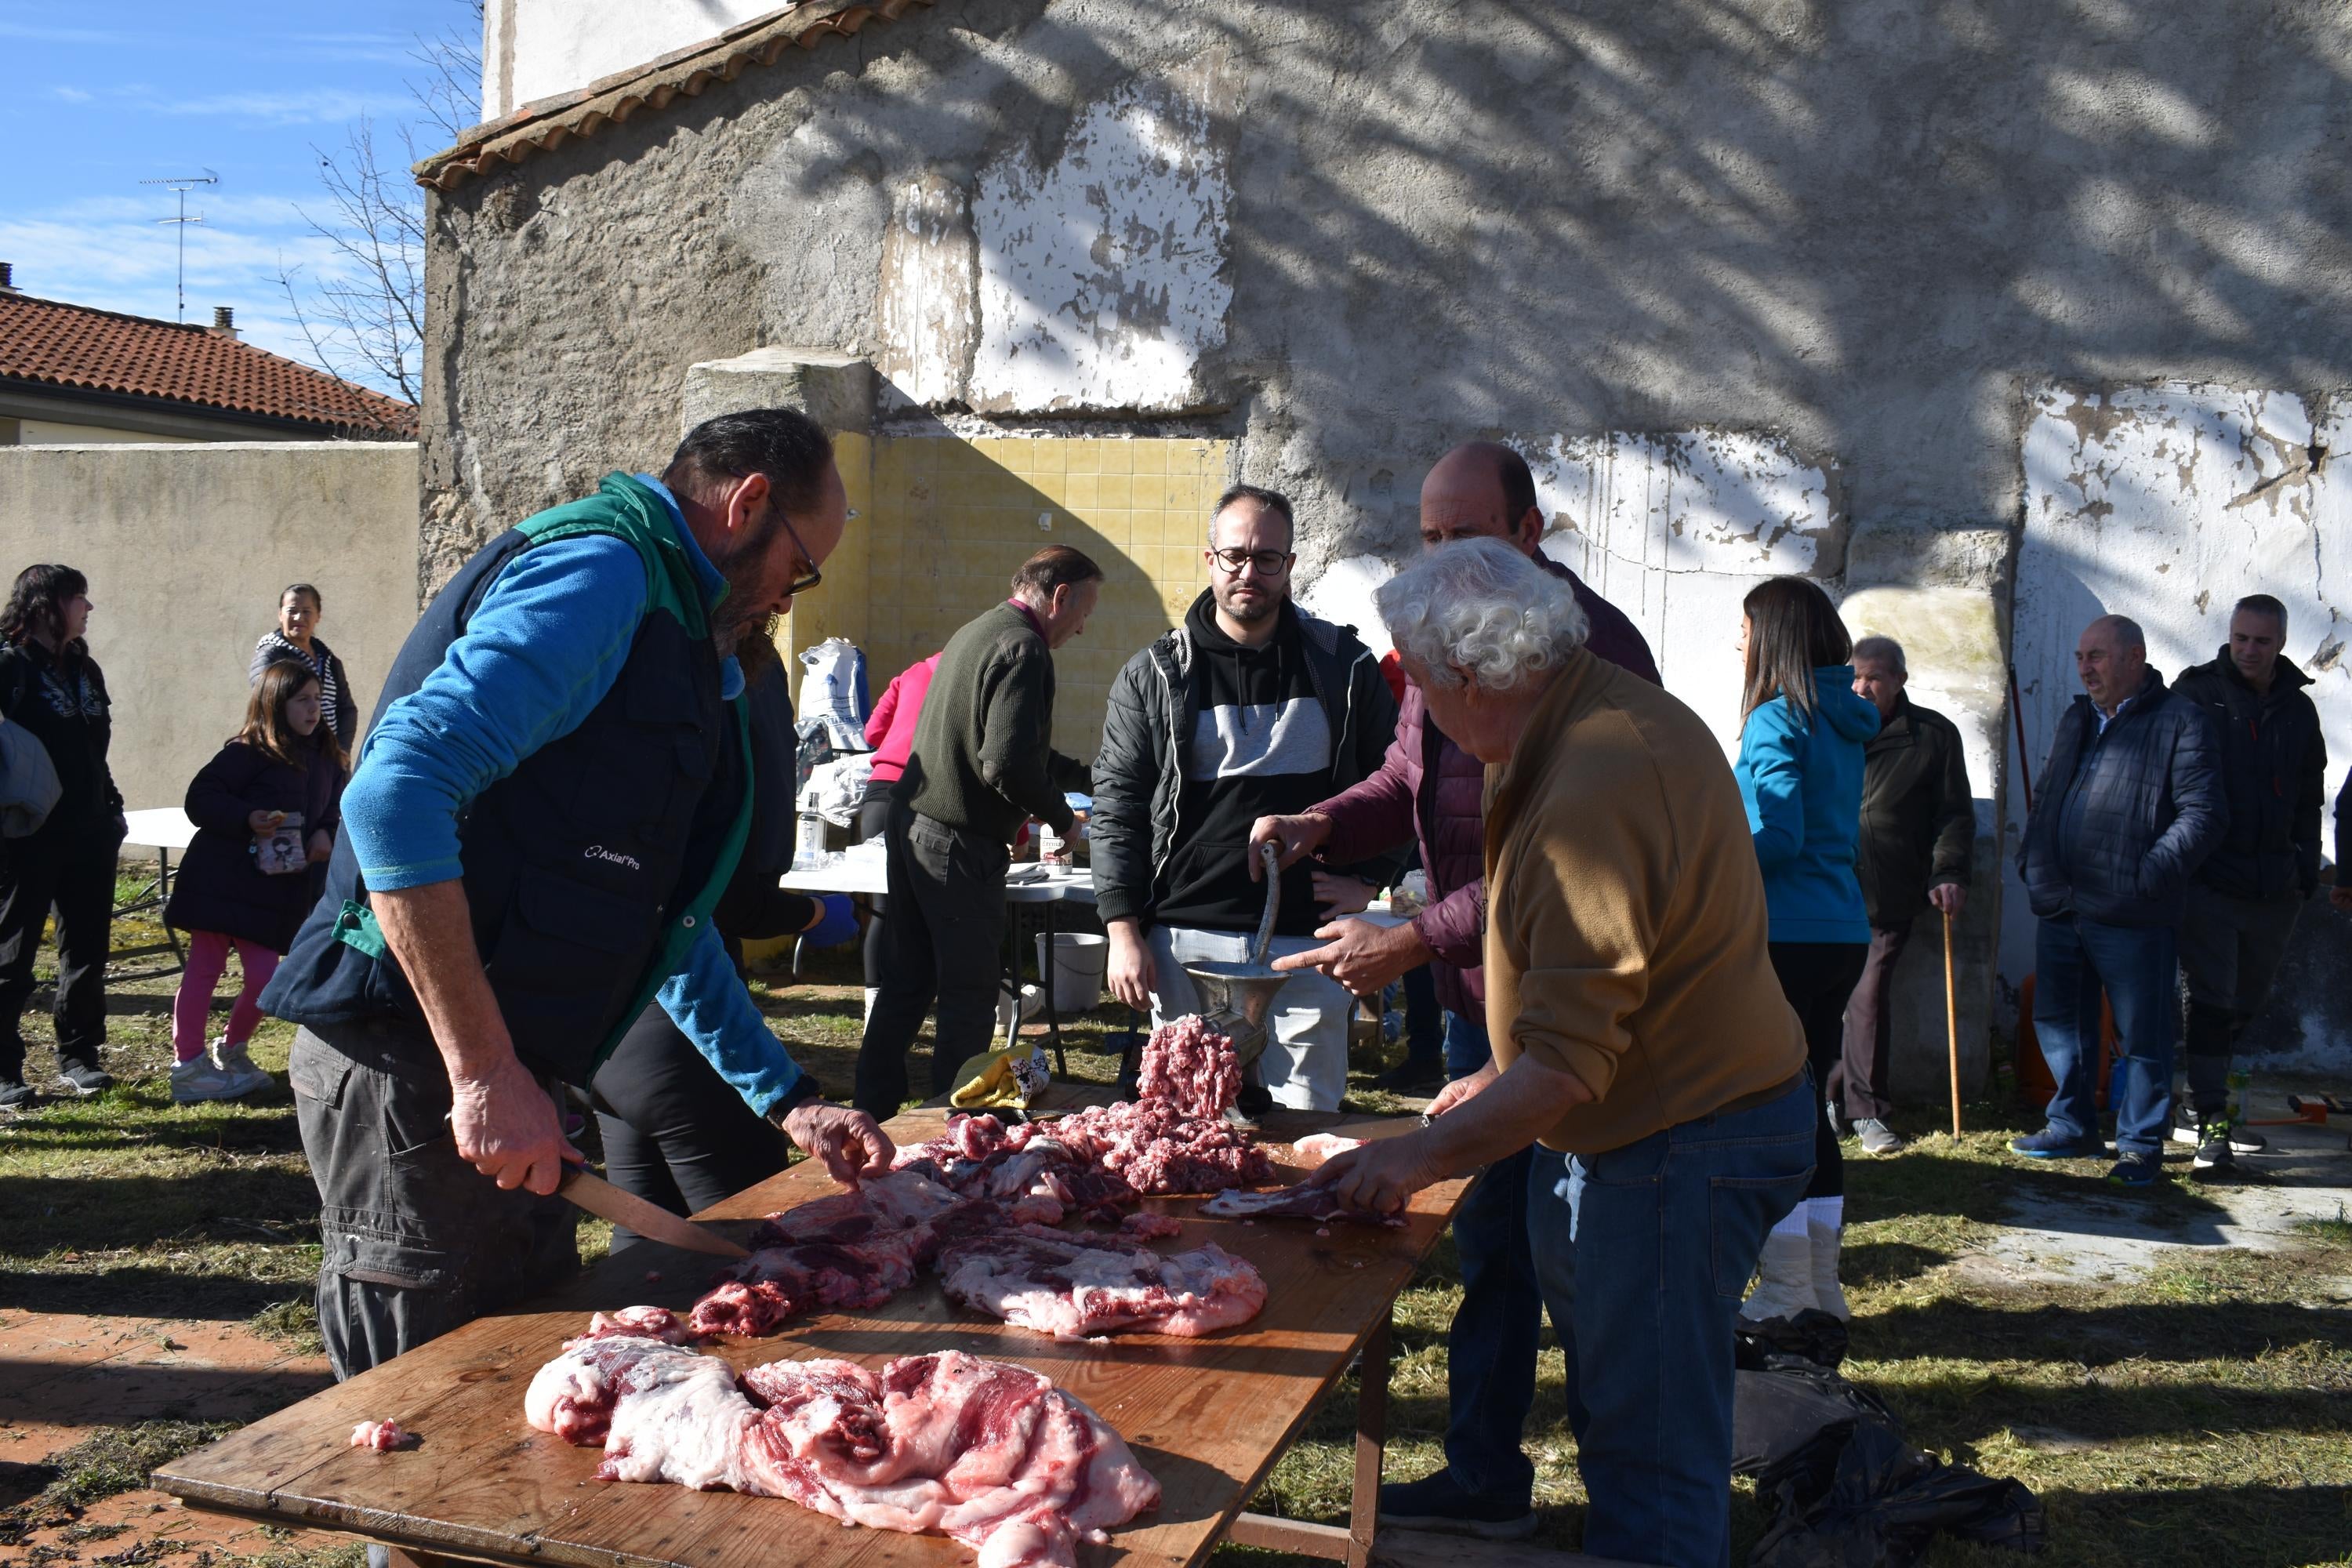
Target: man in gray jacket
{"points": [[1251, 707]]}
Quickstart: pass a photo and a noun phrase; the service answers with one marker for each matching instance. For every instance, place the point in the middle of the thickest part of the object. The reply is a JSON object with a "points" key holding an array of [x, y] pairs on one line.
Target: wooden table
{"points": [[1209, 1418]]}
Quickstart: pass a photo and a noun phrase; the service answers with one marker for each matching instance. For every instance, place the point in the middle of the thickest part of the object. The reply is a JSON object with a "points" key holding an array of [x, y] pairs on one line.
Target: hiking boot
{"points": [[1439, 1502], [83, 1078], [2213, 1151], [197, 1079], [15, 1094], [1877, 1138], [244, 1077], [2052, 1144], [2134, 1169], [1415, 1075]]}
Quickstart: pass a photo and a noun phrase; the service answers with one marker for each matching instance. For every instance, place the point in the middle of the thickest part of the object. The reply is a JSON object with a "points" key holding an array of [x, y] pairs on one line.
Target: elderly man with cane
{"points": [[1637, 1027]]}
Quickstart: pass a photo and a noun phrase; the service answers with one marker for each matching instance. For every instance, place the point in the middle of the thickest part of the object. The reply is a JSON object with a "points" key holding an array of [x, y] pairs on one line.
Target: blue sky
{"points": [[101, 96]]}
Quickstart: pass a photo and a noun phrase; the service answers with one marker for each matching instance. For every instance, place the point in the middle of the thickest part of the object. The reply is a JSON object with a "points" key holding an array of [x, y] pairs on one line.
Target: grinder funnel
{"points": [[1234, 1000]]}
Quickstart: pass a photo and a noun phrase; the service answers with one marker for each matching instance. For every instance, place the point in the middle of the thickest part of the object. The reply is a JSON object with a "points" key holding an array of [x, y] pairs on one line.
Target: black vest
{"points": [[575, 866]]}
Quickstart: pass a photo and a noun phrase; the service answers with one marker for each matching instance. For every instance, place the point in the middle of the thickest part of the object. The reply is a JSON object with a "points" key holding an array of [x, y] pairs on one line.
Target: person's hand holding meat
{"points": [[1476, 1130], [1381, 1175], [850, 1144], [1342, 895]]}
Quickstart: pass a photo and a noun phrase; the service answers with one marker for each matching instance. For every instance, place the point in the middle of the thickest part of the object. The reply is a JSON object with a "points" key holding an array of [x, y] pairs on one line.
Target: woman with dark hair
{"points": [[266, 811], [1799, 773], [50, 685], [296, 637]]}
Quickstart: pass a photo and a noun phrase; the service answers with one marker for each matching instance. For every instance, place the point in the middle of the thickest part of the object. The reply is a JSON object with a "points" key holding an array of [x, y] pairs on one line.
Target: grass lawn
{"points": [[2199, 1412]]}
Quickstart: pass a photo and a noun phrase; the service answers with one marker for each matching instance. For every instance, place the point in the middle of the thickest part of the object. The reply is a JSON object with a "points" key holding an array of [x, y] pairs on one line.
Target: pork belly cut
{"points": [[574, 1395], [653, 1322], [1300, 1202], [1070, 1288]]}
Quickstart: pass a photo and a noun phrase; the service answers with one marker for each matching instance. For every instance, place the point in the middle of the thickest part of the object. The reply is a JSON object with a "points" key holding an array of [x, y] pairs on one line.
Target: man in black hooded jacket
{"points": [[2235, 928]]}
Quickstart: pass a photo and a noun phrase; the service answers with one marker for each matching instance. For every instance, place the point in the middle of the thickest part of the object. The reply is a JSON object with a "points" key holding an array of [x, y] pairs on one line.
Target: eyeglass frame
{"points": [[1284, 558], [809, 584]]}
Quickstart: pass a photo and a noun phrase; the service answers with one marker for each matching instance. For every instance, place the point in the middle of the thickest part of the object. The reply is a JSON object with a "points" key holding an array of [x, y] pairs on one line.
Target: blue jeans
{"points": [[2074, 959], [1490, 1351], [1659, 1238]]}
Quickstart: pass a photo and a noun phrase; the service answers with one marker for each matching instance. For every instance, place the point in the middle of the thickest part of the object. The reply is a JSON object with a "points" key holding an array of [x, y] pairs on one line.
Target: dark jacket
{"points": [[2344, 833], [753, 908], [337, 701], [59, 699], [983, 759], [2125, 818], [1431, 789], [1138, 778], [219, 886], [2275, 773], [1918, 815]]}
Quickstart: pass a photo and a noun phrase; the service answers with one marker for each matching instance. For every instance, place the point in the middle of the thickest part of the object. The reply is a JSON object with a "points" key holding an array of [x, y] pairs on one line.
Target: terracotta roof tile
{"points": [[60, 344], [545, 124]]}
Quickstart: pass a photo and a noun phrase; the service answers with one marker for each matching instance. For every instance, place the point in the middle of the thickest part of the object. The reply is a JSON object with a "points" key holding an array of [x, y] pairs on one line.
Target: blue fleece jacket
{"points": [[1802, 780], [542, 650]]}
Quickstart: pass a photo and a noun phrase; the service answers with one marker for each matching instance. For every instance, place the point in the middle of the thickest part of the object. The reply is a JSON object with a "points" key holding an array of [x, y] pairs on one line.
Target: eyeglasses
{"points": [[1269, 563], [800, 585]]}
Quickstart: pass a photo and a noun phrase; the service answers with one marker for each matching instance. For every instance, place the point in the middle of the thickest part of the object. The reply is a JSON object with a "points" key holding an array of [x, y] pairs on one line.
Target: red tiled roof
{"points": [[545, 124], [50, 342]]}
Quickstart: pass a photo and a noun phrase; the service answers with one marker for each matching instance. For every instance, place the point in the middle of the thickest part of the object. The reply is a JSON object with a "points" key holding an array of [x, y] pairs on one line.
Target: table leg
{"points": [[163, 891], [1053, 1007], [408, 1557], [1371, 1437]]}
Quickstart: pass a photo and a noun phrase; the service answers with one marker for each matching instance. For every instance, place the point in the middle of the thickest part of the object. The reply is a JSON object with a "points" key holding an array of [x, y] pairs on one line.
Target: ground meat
{"points": [[1189, 1066], [1160, 1151], [1149, 1226]]}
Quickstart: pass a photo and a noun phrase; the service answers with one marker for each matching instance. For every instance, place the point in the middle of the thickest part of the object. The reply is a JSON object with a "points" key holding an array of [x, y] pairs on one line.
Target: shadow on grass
{"points": [[146, 1291], [2244, 1526], [2097, 1336], [48, 1214]]}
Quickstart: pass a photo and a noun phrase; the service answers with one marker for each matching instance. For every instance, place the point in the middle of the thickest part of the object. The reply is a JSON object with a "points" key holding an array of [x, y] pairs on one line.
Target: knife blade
{"points": [[603, 1199]]}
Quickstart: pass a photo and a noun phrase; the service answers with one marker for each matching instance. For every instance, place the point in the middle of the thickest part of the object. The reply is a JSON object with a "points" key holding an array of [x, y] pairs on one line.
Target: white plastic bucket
{"points": [[1079, 960]]}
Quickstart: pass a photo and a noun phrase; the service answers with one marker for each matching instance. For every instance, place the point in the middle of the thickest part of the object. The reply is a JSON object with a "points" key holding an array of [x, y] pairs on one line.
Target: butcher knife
{"points": [[603, 1199]]}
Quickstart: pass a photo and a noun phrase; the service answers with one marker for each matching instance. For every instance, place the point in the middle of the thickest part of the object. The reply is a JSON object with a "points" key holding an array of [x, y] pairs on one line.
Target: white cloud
{"points": [[315, 106], [71, 94]]}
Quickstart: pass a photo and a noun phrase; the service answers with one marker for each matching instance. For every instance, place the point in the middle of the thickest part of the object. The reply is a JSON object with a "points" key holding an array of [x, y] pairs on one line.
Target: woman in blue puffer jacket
{"points": [[1799, 773]]}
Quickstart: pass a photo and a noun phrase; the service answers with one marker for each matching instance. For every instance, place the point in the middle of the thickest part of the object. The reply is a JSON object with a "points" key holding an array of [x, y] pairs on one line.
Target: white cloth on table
{"points": [[1305, 1066]]}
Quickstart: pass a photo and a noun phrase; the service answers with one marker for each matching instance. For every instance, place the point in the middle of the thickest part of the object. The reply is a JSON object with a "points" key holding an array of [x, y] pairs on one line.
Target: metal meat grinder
{"points": [[1236, 997]]}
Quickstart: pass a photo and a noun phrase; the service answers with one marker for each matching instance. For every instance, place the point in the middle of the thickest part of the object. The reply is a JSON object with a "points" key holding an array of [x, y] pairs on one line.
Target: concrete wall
{"points": [[186, 548], [1763, 285]]}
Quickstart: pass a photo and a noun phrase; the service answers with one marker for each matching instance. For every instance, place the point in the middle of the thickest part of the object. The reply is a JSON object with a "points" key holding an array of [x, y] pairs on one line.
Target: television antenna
{"points": [[184, 183]]}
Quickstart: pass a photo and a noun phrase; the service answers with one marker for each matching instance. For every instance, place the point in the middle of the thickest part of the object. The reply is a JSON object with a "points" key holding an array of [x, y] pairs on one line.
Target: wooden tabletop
{"points": [[1208, 1417]]}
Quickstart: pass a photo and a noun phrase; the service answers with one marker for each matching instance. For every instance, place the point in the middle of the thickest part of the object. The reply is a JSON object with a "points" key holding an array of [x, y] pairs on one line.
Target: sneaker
{"points": [[197, 1079], [1839, 1126], [246, 1078], [1415, 1075], [2213, 1148], [1439, 1502], [2245, 1142], [1877, 1138], [85, 1079], [2052, 1144], [2134, 1169], [15, 1095]]}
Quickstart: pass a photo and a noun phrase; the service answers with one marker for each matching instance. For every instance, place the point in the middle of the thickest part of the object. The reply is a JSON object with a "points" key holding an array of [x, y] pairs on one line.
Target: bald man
{"points": [[1429, 786], [2131, 802]]}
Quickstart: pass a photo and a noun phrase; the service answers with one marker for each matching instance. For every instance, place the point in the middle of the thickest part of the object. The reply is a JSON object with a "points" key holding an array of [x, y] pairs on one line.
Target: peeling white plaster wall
{"points": [[1344, 594], [536, 48], [1674, 530], [924, 295], [2168, 504], [1102, 276]]}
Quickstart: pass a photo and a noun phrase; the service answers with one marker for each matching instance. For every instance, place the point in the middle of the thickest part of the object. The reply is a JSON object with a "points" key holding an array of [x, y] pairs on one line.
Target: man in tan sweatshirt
{"points": [[1637, 1027]]}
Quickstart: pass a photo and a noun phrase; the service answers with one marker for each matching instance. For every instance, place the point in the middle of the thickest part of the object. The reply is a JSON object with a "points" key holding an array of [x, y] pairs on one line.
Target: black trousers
{"points": [[414, 1241], [873, 820], [1870, 1028], [946, 930], [676, 1133], [72, 871], [1817, 978]]}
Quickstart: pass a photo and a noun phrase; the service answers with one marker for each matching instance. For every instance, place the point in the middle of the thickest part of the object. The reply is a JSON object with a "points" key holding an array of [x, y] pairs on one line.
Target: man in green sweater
{"points": [[982, 766]]}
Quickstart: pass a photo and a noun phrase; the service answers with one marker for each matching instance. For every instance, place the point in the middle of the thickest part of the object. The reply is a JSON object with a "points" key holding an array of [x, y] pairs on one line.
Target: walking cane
{"points": [[1952, 1023]]}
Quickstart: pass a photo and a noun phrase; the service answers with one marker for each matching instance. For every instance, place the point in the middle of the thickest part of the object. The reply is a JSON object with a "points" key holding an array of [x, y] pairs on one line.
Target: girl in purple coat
{"points": [[265, 810]]}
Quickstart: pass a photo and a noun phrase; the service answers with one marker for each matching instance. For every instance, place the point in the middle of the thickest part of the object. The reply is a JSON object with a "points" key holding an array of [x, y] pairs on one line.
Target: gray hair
{"points": [[1479, 610], [2127, 631], [1880, 650]]}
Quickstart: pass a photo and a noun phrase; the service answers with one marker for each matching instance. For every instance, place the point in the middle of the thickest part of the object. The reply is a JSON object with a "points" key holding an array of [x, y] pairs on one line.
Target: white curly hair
{"points": [[1477, 610]]}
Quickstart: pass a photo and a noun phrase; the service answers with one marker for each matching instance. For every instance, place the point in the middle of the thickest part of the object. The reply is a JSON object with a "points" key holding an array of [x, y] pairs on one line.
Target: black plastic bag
{"points": [[1844, 1487]]}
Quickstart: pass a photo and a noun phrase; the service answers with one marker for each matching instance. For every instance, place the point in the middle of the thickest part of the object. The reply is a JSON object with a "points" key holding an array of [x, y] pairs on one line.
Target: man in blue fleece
{"points": [[553, 796]]}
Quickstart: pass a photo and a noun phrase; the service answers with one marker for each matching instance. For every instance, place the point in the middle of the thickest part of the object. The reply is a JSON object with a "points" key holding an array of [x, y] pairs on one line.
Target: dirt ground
{"points": [[2169, 1372]]}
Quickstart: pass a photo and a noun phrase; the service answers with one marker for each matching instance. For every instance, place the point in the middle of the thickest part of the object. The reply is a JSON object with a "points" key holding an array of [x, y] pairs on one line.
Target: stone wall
{"points": [[1761, 287], [186, 548]]}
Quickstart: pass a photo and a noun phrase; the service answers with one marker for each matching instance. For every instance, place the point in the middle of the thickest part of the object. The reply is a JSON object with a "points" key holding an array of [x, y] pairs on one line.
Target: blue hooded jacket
{"points": [[1800, 779]]}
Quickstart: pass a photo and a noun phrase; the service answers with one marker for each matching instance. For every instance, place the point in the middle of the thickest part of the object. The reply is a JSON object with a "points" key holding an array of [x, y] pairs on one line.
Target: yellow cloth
{"points": [[1007, 1078], [1625, 923]]}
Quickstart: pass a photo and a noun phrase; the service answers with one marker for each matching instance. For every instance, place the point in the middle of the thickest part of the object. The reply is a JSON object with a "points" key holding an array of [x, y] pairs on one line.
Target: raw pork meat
{"points": [[989, 1453], [574, 1395], [1036, 1176], [894, 1202], [1292, 1203], [1149, 1226], [1160, 1151], [653, 1322], [1318, 1147], [1189, 1066], [383, 1436], [781, 1282], [1069, 1288]]}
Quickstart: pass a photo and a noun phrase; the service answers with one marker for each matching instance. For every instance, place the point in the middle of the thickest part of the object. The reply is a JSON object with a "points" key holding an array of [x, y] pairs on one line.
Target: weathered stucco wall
{"points": [[186, 548], [1753, 284]]}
